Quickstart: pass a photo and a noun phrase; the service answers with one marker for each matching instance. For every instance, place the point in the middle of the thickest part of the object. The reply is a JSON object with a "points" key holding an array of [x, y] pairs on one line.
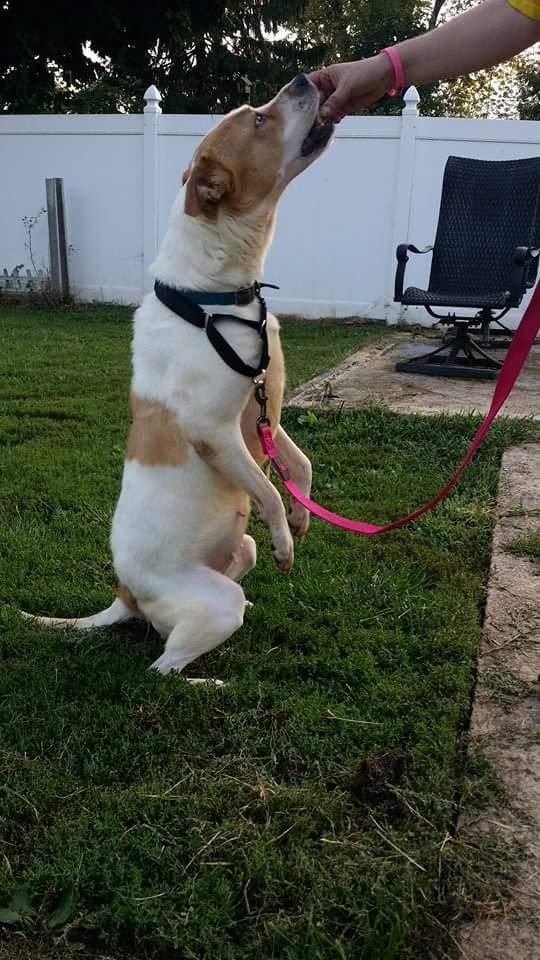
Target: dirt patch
{"points": [[506, 716], [372, 783], [21, 946], [376, 773]]}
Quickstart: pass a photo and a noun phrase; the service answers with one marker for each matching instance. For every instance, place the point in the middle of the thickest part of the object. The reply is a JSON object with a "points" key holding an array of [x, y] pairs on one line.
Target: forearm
{"points": [[490, 33]]}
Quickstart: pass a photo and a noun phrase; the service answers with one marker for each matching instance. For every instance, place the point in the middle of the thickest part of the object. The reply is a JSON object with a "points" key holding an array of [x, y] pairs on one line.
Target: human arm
{"points": [[490, 33]]}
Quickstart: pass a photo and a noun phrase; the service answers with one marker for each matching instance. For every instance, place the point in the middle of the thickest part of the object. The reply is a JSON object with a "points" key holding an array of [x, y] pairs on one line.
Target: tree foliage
{"points": [[529, 79], [203, 56], [209, 57]]}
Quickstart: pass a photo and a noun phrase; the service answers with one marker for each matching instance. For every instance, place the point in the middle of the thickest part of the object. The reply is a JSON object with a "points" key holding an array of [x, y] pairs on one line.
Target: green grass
{"points": [[314, 346], [528, 545], [297, 812]]}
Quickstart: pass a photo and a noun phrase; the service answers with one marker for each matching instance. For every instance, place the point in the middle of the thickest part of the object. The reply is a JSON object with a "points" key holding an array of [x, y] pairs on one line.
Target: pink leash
{"points": [[517, 354]]}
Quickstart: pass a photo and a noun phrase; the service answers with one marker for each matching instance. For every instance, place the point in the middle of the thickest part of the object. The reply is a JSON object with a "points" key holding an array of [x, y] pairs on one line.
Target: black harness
{"points": [[187, 304]]}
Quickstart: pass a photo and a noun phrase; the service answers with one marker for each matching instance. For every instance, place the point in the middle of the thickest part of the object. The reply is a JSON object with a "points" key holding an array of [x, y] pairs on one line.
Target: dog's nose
{"points": [[301, 81]]}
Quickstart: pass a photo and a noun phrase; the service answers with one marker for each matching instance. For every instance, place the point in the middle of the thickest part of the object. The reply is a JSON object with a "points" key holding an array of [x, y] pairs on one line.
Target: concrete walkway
{"points": [[506, 718], [369, 376]]}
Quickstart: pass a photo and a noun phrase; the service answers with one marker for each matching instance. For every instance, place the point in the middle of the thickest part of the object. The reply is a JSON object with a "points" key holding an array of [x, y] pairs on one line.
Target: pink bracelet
{"points": [[399, 73]]}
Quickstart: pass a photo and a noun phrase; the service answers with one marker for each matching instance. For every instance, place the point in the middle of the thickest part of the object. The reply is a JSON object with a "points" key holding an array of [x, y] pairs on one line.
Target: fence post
{"points": [[57, 237], [404, 188], [152, 110]]}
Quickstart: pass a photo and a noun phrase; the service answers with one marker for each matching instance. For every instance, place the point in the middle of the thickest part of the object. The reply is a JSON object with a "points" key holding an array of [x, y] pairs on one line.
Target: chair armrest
{"points": [[402, 258], [519, 281]]}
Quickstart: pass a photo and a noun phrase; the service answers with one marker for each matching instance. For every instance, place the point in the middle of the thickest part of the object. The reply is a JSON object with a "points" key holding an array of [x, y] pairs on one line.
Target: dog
{"points": [[194, 463]]}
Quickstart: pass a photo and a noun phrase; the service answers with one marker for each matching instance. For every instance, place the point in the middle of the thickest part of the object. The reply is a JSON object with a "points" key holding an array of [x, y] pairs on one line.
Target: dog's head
{"points": [[251, 156]]}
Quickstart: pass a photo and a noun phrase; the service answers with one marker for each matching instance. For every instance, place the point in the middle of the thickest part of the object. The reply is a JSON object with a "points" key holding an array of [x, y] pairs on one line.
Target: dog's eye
{"points": [[259, 119]]}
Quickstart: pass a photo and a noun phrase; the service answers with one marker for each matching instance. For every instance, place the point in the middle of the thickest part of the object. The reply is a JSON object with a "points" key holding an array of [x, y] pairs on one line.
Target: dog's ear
{"points": [[208, 183]]}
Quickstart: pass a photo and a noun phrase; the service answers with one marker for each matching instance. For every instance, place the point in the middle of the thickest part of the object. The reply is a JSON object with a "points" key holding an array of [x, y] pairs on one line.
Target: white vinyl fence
{"points": [[340, 222]]}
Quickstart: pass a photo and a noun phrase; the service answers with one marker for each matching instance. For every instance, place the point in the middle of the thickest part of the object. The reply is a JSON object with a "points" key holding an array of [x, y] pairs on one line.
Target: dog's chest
{"points": [[175, 364]]}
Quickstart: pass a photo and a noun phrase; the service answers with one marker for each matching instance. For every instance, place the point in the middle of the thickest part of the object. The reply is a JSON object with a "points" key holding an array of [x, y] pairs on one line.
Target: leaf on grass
{"points": [[9, 916], [63, 910], [310, 419], [20, 901]]}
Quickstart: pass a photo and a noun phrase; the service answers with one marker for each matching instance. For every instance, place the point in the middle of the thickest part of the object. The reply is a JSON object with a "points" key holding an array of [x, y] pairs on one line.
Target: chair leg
{"points": [[486, 317], [475, 347], [494, 339], [461, 357]]}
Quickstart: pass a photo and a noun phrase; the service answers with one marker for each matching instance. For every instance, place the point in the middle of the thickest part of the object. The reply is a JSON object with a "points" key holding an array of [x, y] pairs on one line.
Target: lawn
{"points": [[301, 810]]}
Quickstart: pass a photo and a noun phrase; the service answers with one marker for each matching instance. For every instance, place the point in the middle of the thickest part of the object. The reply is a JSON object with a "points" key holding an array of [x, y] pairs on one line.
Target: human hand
{"points": [[346, 87]]}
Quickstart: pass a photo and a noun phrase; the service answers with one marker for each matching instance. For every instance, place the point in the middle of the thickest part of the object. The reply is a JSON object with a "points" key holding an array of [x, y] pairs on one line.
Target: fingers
{"points": [[336, 112], [324, 82], [334, 109], [334, 85], [336, 106], [346, 87]]}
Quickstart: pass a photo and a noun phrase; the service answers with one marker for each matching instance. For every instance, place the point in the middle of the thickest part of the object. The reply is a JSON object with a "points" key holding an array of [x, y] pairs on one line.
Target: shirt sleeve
{"points": [[531, 8]]}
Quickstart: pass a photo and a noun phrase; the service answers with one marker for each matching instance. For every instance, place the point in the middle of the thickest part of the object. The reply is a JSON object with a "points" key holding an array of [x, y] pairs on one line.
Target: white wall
{"points": [[339, 223], [100, 160]]}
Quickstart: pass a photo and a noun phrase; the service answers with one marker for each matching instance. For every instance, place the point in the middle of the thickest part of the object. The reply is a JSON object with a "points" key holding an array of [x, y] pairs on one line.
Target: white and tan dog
{"points": [[193, 461]]}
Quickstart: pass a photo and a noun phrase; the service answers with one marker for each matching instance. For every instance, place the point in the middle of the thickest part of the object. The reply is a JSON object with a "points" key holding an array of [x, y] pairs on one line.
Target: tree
{"points": [[435, 12], [204, 57], [529, 80], [509, 90], [200, 54], [209, 57], [355, 29], [359, 28]]}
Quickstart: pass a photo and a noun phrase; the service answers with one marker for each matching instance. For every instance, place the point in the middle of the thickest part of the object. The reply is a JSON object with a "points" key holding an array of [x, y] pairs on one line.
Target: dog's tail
{"points": [[118, 612]]}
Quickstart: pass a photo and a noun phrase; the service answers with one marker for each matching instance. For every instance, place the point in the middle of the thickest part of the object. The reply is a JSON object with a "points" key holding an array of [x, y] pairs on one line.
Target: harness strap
{"points": [[234, 298], [183, 306], [229, 355], [180, 304]]}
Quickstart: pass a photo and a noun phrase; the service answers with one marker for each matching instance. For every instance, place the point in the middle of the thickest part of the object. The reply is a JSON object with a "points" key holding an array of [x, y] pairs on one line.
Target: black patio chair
{"points": [[485, 256]]}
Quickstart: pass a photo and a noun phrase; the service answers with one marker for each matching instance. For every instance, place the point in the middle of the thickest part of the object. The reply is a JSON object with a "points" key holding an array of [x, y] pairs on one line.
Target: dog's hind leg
{"points": [[122, 609], [243, 559], [206, 610]]}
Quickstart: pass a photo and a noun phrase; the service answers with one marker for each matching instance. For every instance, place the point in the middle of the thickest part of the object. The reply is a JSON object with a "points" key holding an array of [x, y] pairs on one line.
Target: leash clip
{"points": [[262, 399], [258, 287]]}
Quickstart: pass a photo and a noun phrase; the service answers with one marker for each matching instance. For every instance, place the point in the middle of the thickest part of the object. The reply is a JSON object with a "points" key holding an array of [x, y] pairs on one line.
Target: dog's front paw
{"points": [[298, 519], [283, 552]]}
